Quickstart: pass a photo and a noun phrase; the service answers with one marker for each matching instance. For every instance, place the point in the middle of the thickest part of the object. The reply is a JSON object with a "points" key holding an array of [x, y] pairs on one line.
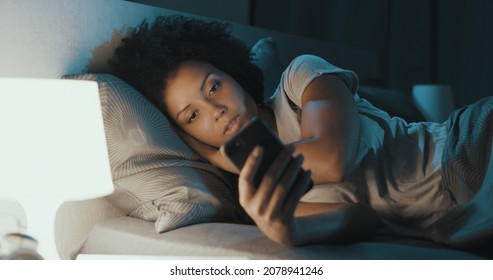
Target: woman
{"points": [[371, 168]]}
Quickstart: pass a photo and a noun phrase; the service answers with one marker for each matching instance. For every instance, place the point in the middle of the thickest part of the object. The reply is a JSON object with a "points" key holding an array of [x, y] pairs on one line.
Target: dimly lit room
{"points": [[128, 130]]}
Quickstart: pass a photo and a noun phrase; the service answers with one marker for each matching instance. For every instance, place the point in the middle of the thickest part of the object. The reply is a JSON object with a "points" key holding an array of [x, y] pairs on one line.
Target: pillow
{"points": [[266, 56], [155, 175], [392, 101]]}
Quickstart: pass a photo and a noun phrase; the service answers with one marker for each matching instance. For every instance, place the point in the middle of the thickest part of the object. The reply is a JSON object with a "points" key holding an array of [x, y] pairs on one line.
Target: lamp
{"points": [[52, 150]]}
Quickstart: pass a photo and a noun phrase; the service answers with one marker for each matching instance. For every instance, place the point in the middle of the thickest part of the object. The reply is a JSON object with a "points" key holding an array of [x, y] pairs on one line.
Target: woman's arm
{"points": [[275, 209], [329, 129], [335, 222]]}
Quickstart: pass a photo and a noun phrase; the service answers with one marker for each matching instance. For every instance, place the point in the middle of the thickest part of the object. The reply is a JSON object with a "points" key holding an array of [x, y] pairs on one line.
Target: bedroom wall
{"points": [[37, 37], [237, 11], [421, 41], [32, 47], [437, 42]]}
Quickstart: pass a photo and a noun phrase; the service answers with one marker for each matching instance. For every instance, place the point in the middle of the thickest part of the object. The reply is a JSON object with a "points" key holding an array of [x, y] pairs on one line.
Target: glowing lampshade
{"points": [[52, 149]]}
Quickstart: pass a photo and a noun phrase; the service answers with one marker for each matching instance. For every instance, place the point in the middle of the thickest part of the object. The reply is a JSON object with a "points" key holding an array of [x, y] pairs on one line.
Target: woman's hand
{"points": [[208, 153], [272, 204]]}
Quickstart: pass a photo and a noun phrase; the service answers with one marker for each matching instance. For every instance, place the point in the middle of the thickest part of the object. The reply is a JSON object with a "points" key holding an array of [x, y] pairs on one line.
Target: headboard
{"points": [[47, 39]]}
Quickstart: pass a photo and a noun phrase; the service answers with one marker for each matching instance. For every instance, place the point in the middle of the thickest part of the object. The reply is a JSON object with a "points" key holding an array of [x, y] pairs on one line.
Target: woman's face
{"points": [[207, 103]]}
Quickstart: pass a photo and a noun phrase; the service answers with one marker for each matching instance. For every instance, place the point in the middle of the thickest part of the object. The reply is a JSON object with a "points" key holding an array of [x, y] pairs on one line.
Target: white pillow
{"points": [[155, 175]]}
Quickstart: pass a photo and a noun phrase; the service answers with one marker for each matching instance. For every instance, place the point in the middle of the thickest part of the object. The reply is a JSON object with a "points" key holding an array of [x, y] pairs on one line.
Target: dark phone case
{"points": [[256, 133]]}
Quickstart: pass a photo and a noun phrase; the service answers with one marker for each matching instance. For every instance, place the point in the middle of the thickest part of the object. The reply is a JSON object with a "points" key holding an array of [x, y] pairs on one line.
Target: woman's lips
{"points": [[232, 126]]}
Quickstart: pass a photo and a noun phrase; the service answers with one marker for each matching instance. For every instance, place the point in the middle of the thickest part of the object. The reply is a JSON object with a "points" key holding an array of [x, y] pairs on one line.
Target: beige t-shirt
{"points": [[398, 163]]}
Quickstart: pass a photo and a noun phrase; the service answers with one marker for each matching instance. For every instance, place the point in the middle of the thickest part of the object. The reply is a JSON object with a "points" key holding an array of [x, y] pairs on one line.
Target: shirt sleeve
{"points": [[303, 69]]}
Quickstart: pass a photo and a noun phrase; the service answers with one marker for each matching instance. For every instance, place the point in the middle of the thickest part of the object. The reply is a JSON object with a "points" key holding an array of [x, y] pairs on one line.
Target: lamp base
{"points": [[40, 221]]}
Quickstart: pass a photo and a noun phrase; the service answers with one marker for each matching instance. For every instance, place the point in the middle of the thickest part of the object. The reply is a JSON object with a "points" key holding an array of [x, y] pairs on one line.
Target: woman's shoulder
{"points": [[306, 67], [309, 61]]}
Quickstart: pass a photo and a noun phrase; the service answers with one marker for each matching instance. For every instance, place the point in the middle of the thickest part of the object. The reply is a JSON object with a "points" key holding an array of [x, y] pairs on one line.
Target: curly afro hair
{"points": [[151, 55]]}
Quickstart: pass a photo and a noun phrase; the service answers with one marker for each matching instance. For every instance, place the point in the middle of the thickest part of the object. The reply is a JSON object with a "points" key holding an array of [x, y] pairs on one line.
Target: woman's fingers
{"points": [[275, 171], [257, 197], [302, 185], [280, 189], [246, 185], [287, 182], [273, 202]]}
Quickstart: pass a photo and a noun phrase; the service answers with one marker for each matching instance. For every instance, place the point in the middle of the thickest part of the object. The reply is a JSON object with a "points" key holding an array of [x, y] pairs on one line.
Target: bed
{"points": [[187, 210]]}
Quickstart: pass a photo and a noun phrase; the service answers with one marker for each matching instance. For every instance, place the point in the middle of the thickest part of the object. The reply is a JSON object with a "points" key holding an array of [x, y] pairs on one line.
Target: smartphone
{"points": [[255, 133]]}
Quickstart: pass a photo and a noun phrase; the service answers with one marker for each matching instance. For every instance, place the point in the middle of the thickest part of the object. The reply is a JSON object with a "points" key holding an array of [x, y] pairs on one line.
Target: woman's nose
{"points": [[219, 112]]}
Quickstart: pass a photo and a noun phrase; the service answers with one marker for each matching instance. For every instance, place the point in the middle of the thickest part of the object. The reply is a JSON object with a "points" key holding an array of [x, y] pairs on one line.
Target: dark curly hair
{"points": [[151, 55]]}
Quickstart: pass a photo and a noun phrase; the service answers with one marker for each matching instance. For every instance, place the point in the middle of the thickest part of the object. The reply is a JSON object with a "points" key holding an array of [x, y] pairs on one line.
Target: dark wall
{"points": [[419, 41], [416, 41], [237, 11]]}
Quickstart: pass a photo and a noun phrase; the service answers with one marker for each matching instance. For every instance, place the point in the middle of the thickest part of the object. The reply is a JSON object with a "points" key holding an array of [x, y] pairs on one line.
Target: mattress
{"points": [[138, 238]]}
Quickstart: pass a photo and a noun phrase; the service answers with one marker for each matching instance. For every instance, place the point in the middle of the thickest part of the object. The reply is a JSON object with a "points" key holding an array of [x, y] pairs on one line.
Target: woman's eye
{"points": [[214, 88], [193, 117]]}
